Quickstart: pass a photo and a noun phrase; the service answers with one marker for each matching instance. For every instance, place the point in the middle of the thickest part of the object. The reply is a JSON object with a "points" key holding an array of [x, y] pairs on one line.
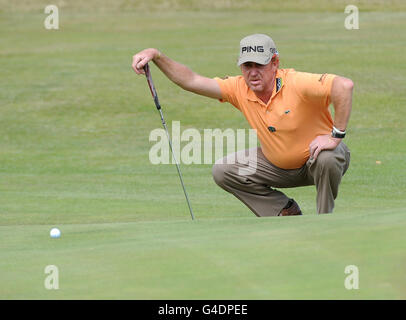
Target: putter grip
{"points": [[146, 69], [151, 86], [158, 106]]}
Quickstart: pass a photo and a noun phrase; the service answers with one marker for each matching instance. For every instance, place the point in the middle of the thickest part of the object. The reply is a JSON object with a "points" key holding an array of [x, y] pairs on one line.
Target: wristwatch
{"points": [[335, 133]]}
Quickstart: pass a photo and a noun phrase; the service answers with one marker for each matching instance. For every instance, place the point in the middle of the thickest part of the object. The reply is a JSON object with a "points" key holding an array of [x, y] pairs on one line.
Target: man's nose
{"points": [[254, 70]]}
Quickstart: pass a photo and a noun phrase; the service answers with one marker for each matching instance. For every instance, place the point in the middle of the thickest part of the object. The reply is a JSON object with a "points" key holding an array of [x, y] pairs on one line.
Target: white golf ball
{"points": [[55, 233]]}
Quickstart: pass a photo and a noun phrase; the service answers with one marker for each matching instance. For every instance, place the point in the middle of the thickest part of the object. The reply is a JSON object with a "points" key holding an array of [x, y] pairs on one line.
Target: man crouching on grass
{"points": [[301, 145]]}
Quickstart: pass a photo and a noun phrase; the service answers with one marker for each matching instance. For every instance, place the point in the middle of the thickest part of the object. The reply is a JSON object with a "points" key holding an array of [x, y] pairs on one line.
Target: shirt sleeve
{"points": [[314, 87], [229, 90]]}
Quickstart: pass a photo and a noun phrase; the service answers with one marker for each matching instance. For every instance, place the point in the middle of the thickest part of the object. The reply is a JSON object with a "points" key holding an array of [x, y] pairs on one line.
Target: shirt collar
{"points": [[276, 89]]}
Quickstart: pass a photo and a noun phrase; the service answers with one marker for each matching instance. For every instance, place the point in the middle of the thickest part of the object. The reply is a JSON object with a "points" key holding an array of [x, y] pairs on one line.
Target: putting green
{"points": [[241, 258]]}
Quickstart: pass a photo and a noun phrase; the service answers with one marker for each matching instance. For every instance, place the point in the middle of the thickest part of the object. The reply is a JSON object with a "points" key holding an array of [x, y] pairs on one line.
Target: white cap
{"points": [[258, 48]]}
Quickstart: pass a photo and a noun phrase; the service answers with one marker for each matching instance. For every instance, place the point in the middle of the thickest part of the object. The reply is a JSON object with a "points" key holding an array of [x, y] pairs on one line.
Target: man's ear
{"points": [[275, 61]]}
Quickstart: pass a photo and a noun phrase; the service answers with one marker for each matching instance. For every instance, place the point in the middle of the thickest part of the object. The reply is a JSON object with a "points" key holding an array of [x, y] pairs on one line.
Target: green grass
{"points": [[236, 258], [202, 5], [74, 128]]}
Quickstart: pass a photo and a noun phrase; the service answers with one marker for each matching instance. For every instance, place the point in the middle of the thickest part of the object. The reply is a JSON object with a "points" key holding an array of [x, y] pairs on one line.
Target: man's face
{"points": [[260, 77]]}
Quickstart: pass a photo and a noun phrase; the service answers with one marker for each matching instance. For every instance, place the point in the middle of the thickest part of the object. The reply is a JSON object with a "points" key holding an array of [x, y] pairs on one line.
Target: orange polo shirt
{"points": [[295, 115]]}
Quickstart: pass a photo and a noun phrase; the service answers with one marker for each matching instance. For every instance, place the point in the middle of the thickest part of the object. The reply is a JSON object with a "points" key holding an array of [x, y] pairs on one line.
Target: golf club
{"points": [[158, 106]]}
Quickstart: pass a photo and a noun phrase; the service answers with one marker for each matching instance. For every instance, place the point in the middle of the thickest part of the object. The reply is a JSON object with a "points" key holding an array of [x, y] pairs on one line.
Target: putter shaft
{"points": [[158, 106]]}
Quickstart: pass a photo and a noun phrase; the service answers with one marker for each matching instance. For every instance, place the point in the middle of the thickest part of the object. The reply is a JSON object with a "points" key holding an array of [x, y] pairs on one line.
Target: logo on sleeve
{"points": [[323, 76]]}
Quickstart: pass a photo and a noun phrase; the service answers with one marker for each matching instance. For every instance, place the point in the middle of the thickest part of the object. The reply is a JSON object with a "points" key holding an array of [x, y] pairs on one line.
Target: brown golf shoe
{"points": [[291, 209]]}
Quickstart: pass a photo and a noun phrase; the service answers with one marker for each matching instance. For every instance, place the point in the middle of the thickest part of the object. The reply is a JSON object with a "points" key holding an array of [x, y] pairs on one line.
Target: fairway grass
{"points": [[74, 154]]}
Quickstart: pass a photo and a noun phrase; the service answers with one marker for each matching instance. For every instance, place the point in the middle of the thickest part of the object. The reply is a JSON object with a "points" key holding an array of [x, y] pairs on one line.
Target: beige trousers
{"points": [[250, 177]]}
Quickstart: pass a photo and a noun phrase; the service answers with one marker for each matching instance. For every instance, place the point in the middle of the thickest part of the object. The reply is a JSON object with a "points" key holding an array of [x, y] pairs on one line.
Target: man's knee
{"points": [[326, 159], [329, 162], [219, 173]]}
